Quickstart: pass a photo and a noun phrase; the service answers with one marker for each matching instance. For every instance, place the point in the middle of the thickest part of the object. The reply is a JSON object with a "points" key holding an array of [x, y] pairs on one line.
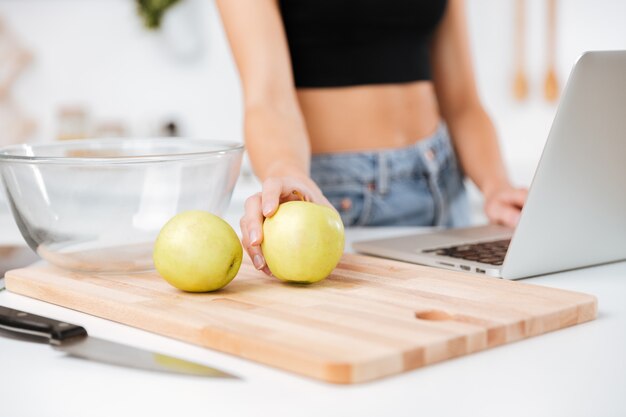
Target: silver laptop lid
{"points": [[575, 214]]}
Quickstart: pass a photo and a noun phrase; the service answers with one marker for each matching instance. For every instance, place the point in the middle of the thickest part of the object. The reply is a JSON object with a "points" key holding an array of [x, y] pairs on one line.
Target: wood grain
{"points": [[371, 318]]}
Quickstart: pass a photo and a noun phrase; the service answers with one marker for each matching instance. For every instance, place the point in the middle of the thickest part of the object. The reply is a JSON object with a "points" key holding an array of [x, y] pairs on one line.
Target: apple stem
{"points": [[298, 194]]}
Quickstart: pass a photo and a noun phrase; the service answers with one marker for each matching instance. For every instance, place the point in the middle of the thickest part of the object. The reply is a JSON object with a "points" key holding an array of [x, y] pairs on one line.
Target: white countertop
{"points": [[579, 371]]}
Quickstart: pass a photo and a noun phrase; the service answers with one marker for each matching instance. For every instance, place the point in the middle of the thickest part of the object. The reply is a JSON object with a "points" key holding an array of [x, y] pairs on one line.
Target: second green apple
{"points": [[303, 242]]}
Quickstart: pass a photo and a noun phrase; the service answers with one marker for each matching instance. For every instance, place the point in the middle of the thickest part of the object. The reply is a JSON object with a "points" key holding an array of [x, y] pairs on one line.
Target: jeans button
{"points": [[345, 204]]}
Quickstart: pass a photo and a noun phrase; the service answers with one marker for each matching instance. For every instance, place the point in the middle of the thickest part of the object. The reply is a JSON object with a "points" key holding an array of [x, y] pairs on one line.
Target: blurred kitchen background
{"points": [[84, 68]]}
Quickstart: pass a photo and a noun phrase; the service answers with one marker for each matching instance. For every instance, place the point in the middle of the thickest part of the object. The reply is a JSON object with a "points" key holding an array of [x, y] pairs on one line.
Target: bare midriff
{"points": [[364, 118]]}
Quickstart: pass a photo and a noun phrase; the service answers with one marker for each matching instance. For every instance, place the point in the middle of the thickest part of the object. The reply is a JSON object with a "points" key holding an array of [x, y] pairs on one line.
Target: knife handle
{"points": [[20, 322]]}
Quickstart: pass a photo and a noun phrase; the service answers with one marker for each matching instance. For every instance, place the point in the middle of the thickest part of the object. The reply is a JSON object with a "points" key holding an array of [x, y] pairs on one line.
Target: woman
{"points": [[349, 103]]}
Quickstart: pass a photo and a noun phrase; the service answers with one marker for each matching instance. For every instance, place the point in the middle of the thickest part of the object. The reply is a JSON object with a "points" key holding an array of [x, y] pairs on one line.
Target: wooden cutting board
{"points": [[371, 318]]}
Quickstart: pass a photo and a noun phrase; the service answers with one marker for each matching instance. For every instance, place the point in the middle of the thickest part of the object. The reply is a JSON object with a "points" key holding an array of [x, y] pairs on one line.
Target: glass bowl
{"points": [[98, 205]]}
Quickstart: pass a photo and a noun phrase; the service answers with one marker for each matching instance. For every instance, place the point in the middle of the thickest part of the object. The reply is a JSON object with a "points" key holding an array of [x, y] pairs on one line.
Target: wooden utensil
{"points": [[520, 82], [371, 318], [551, 83]]}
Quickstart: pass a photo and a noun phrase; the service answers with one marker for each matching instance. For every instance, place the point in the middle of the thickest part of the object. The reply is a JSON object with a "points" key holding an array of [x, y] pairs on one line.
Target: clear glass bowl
{"points": [[98, 205]]}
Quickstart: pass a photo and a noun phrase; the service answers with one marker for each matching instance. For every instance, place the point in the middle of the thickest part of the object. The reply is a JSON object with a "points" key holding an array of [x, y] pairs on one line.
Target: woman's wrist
{"points": [[491, 187]]}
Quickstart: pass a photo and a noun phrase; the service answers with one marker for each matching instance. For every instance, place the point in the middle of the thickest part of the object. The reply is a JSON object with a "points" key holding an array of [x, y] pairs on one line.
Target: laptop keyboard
{"points": [[486, 252]]}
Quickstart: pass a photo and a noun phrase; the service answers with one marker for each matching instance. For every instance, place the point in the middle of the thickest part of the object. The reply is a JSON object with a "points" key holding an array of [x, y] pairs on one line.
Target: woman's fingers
{"points": [[278, 190], [254, 219], [506, 214], [515, 196], [504, 207], [270, 196], [252, 231], [245, 240]]}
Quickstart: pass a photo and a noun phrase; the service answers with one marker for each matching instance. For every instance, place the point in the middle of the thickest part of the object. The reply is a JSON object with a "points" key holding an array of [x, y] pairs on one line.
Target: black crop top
{"points": [[353, 42]]}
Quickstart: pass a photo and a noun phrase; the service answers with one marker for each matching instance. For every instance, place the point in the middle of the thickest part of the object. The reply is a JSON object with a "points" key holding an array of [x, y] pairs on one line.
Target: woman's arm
{"points": [[275, 134], [471, 129]]}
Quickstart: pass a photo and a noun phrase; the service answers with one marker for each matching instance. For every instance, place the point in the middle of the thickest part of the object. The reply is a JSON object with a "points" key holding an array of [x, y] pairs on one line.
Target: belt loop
{"points": [[383, 173]]}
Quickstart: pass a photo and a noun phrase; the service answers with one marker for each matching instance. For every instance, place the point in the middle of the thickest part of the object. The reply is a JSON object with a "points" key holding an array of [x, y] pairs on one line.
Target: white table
{"points": [[579, 371]]}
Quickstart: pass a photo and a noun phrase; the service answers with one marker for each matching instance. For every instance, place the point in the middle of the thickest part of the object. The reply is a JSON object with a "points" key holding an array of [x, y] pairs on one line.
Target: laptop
{"points": [[575, 214]]}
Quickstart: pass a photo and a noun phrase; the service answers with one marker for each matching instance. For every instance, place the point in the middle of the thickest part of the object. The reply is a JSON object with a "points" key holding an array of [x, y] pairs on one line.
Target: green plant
{"points": [[152, 11]]}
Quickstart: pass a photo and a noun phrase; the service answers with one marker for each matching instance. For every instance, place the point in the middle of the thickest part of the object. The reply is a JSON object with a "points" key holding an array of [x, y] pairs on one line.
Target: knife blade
{"points": [[75, 341]]}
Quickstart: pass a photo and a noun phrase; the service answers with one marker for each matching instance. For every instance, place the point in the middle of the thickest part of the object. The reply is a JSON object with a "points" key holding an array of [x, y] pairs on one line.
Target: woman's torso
{"points": [[368, 117], [363, 71]]}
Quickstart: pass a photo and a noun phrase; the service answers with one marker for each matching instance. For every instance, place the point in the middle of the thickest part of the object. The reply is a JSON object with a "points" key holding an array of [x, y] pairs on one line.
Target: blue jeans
{"points": [[419, 185]]}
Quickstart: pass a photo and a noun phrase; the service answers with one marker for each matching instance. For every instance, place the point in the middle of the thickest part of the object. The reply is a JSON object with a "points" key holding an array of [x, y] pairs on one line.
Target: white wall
{"points": [[582, 25], [95, 52]]}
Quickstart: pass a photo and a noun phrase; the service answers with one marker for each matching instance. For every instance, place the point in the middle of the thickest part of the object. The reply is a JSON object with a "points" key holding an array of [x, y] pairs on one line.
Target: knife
{"points": [[75, 341]]}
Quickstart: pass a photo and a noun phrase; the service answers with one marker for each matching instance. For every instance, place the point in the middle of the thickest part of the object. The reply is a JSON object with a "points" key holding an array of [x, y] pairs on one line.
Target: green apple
{"points": [[197, 251], [302, 241]]}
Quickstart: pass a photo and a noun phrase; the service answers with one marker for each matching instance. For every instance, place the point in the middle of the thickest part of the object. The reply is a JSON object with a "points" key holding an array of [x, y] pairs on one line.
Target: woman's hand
{"points": [[276, 190], [504, 205]]}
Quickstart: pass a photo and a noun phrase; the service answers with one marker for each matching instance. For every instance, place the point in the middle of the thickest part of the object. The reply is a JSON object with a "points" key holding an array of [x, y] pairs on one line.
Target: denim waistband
{"points": [[425, 156]]}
